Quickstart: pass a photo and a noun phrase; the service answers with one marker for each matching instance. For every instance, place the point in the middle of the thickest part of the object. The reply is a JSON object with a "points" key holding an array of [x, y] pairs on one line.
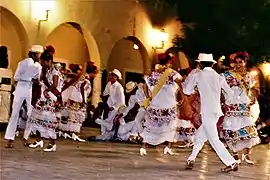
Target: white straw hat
{"points": [[205, 58], [117, 73], [130, 86], [36, 48]]}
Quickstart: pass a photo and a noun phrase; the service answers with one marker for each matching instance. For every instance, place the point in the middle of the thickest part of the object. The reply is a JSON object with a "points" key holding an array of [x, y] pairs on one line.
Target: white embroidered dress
{"points": [[238, 125], [43, 117], [161, 122], [76, 106]]}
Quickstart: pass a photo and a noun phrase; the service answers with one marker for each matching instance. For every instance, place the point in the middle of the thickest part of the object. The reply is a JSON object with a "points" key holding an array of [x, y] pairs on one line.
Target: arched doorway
{"points": [[69, 43], [74, 44], [129, 56], [13, 35]]}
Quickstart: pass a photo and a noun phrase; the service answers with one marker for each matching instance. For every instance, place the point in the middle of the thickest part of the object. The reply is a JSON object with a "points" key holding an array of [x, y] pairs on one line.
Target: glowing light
{"points": [[254, 73], [157, 38], [266, 69], [41, 8], [135, 46]]}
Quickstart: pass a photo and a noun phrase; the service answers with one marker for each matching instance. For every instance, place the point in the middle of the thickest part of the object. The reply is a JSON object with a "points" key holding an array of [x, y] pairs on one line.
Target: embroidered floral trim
{"points": [[160, 116], [242, 134], [48, 105], [76, 106], [237, 110], [47, 124], [155, 76], [187, 131]]}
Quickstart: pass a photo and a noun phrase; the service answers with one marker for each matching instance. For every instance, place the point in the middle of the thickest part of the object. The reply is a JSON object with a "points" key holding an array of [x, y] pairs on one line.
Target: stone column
{"points": [[96, 89]]}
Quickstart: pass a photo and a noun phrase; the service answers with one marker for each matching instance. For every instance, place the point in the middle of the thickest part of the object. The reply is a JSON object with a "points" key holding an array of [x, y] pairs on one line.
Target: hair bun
{"points": [[50, 49]]}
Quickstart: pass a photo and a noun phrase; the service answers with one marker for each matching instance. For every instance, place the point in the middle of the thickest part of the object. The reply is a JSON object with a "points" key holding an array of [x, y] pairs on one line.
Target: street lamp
{"points": [[158, 38], [41, 9]]}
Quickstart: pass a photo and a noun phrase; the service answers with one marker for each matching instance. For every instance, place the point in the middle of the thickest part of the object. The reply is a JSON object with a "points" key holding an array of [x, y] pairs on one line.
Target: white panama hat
{"points": [[36, 49], [130, 86], [117, 73], [205, 58]]}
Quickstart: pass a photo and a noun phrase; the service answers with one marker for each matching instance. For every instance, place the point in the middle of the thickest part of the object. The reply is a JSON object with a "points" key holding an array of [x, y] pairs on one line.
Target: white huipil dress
{"points": [[75, 106], [43, 117], [239, 131], [161, 122]]}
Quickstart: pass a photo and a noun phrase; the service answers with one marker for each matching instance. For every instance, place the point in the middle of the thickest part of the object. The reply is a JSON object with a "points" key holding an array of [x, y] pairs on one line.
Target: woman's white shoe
{"points": [[75, 137], [66, 135], [167, 150], [244, 158], [143, 152], [36, 144], [52, 149], [60, 134]]}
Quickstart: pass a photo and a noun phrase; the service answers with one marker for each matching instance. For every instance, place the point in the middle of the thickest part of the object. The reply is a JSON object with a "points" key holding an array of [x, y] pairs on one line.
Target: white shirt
{"points": [[116, 95], [26, 71], [209, 84]]}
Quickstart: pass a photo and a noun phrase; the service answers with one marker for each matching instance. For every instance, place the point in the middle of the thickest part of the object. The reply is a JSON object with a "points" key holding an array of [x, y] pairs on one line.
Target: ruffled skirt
{"points": [[43, 118], [160, 126]]}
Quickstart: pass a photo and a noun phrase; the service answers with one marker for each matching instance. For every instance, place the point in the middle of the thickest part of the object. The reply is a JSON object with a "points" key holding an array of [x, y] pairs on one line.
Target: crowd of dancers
{"points": [[165, 106]]}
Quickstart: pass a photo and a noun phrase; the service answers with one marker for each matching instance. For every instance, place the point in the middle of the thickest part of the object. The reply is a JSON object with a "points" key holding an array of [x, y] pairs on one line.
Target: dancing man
{"points": [[209, 84]]}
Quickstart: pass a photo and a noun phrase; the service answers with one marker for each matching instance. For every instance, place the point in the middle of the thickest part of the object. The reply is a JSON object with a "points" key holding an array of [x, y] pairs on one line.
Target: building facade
{"points": [[113, 34]]}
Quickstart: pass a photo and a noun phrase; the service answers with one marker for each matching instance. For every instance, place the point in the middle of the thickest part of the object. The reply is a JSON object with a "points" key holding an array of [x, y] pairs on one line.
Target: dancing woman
{"points": [[43, 120], [77, 104], [239, 131], [160, 125]]}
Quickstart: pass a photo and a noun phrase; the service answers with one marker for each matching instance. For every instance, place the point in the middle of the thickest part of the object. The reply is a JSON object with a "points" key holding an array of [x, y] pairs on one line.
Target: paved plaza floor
{"points": [[109, 161]]}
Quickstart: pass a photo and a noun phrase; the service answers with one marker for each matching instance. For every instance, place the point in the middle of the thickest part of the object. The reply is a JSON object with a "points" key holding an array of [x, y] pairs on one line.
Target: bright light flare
{"points": [[39, 8], [157, 38]]}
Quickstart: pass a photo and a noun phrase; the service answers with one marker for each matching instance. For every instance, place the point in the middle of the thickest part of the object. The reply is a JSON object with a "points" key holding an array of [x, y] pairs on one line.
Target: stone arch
{"points": [[128, 59], [14, 36], [84, 42]]}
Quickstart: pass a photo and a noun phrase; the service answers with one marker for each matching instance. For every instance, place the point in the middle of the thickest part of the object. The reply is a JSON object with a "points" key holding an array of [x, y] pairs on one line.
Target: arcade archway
{"points": [[75, 44], [13, 35], [129, 56]]}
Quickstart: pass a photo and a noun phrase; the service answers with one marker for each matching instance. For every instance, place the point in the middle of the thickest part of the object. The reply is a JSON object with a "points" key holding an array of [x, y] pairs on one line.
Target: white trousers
{"points": [[140, 117], [208, 131], [14, 118]]}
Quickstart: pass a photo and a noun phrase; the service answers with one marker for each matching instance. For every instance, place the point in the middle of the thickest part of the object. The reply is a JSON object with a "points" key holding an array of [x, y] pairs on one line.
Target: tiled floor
{"points": [[107, 161]]}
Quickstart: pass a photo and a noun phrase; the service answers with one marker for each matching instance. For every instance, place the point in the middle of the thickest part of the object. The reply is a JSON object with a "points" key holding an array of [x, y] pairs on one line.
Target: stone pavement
{"points": [[109, 161]]}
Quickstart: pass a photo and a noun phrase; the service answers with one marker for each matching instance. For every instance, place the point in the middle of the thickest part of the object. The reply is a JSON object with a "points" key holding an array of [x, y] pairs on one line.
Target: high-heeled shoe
{"points": [[233, 167], [143, 152], [60, 134], [36, 144], [75, 137], [50, 148], [66, 135], [167, 150], [244, 158]]}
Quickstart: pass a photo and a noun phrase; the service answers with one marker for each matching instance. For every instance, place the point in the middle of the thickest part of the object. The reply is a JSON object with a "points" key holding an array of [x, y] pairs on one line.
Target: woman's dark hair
{"points": [[46, 56], [74, 68], [164, 59], [183, 72], [206, 64], [91, 69], [241, 56]]}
